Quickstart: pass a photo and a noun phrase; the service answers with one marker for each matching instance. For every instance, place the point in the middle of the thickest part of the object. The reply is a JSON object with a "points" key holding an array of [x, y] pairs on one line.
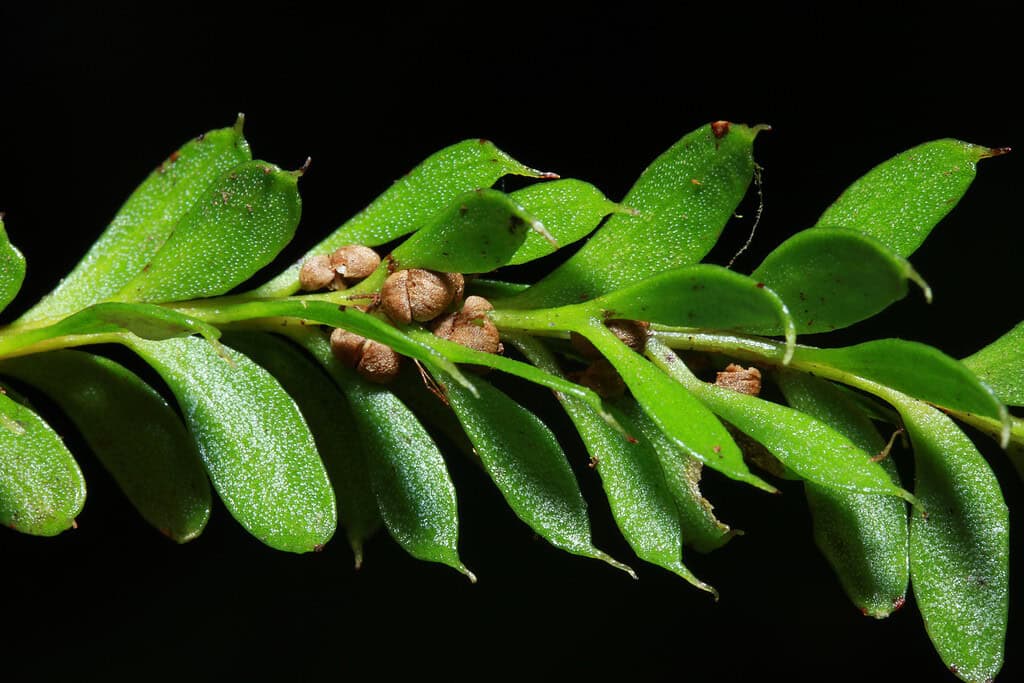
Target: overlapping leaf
{"points": [[1001, 366], [12, 268]]}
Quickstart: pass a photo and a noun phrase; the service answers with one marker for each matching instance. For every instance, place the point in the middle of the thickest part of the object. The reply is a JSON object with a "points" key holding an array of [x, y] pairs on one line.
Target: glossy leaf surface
{"points": [[132, 430], [253, 440], [41, 487], [12, 268], [415, 494], [863, 537], [145, 221], [330, 420], [899, 201], [959, 547], [411, 201], [1001, 366], [238, 225], [683, 200], [832, 278]]}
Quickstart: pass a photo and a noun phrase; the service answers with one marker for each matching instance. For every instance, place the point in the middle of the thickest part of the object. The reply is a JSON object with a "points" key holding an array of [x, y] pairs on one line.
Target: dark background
{"points": [[92, 99]]}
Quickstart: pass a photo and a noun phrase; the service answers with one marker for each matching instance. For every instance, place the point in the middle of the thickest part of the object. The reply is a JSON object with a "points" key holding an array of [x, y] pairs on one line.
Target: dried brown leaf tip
{"points": [[371, 359], [744, 380], [420, 295], [471, 327], [632, 333]]}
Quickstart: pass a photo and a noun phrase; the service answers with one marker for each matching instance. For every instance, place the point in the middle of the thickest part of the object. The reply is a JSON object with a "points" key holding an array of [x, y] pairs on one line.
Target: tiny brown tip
{"points": [[548, 175], [997, 152]]}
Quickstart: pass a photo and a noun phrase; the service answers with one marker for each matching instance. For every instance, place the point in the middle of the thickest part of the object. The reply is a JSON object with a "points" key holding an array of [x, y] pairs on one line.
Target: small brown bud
{"points": [[475, 307], [316, 273], [354, 262], [471, 327], [371, 359], [457, 283], [735, 377], [602, 377], [417, 294], [632, 333]]}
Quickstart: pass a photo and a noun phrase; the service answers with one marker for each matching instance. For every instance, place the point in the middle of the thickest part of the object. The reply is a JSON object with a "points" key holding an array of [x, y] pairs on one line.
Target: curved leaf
{"points": [[145, 221], [805, 445], [569, 209], [239, 225], [478, 232], [253, 440], [959, 545], [864, 538], [1001, 366], [526, 462], [12, 268], [641, 503], [139, 439], [41, 487], [493, 289], [683, 200], [701, 529], [899, 201], [411, 201], [143, 320], [832, 278], [415, 495], [330, 420]]}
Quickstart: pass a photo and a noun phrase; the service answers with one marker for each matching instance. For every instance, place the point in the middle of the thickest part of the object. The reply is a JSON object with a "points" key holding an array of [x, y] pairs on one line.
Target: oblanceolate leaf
{"points": [[145, 221], [831, 278], [143, 320], [640, 500], [863, 537], [683, 200], [911, 368], [253, 440], [41, 487], [805, 445], [959, 544], [527, 463], [569, 209], [132, 430], [701, 529], [415, 495], [478, 232], [899, 201], [239, 224], [411, 201], [330, 420], [673, 409], [12, 268], [1001, 366]]}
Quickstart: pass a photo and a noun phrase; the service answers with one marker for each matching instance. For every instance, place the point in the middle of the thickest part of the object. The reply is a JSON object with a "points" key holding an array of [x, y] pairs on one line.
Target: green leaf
{"points": [[526, 462], [899, 201], [1001, 366], [864, 538], [493, 289], [12, 268], [145, 221], [701, 529], [959, 544], [239, 225], [415, 495], [673, 409], [911, 368], [411, 201], [143, 320], [640, 501], [253, 440], [478, 232], [330, 420], [805, 445], [832, 278], [132, 430], [569, 209], [41, 487], [683, 200]]}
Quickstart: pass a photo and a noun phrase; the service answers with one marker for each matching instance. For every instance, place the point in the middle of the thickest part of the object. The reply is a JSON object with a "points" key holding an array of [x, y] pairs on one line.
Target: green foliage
{"points": [[295, 439]]}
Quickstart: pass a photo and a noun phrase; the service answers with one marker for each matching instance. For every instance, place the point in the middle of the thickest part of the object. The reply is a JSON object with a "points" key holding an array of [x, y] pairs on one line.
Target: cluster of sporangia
{"points": [[412, 295]]}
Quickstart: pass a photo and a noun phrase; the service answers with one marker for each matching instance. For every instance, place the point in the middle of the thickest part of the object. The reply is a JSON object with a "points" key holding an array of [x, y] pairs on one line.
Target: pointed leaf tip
{"points": [[301, 171], [239, 123], [996, 152]]}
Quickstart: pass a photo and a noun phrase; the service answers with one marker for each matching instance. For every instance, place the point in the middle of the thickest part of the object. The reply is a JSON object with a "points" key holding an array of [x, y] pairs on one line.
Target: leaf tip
{"points": [[995, 152], [465, 570], [611, 561], [239, 123], [301, 171]]}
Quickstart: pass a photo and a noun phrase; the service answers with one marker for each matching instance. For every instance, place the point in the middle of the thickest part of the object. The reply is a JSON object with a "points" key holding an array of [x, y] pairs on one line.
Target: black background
{"points": [[93, 98]]}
